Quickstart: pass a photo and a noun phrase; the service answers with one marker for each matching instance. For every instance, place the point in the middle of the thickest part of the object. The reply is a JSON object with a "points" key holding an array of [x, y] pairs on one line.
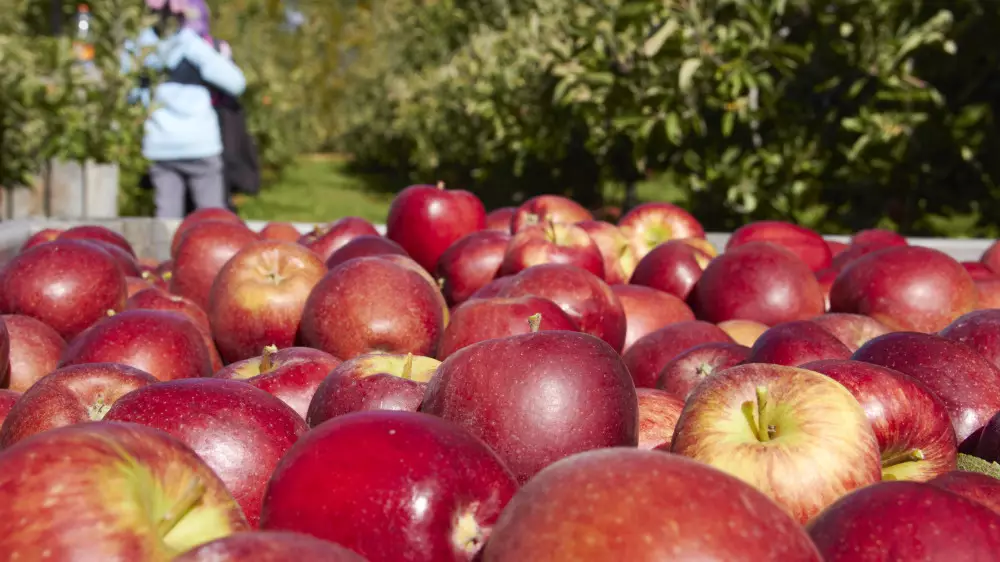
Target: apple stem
{"points": [[110, 312], [763, 430], [267, 358], [192, 495], [910, 455], [167, 276], [440, 185], [408, 367], [146, 275], [535, 322]]}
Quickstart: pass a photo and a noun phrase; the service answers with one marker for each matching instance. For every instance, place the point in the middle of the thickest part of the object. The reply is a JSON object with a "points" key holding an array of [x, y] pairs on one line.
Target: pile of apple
{"points": [[528, 385]]}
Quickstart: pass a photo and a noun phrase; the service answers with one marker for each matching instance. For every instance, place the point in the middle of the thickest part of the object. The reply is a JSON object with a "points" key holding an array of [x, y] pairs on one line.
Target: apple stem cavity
{"points": [[911, 455], [110, 312], [267, 358], [408, 367], [192, 495], [467, 535], [535, 322], [704, 370]]}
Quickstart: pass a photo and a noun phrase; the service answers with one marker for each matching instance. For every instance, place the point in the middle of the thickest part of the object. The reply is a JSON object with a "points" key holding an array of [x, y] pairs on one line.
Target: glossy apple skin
{"points": [[743, 332], [795, 343], [165, 344], [616, 250], [281, 231], [492, 289], [418, 475], [979, 488], [258, 297], [362, 247], [658, 414], [34, 350], [483, 319], [471, 263], [880, 237], [326, 240], [293, 375], [426, 219], [757, 281], [197, 217], [67, 284], [135, 284], [548, 208], [536, 398], [673, 267], [836, 248], [648, 310], [906, 288], [239, 431], [69, 396], [408, 263], [687, 370], [643, 506], [98, 233], [203, 251], [126, 262], [904, 414], [980, 330], [370, 304], [499, 219], [552, 243], [829, 448], [269, 546], [806, 244], [989, 293], [372, 382], [70, 494], [978, 270], [647, 356], [650, 224], [968, 384], [853, 330], [910, 521], [154, 298], [7, 400], [584, 297], [41, 237]]}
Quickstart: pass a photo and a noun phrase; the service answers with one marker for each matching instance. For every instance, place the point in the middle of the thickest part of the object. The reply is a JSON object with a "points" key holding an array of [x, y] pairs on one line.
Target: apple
{"points": [[967, 383], [584, 297], [157, 299], [743, 332], [650, 353], [974, 486], [879, 237], [650, 224], [328, 239], [673, 267], [125, 261], [552, 243], [7, 400], [991, 257], [378, 381], [34, 350], [292, 375], [616, 250], [471, 263], [541, 209], [987, 446], [687, 370], [204, 249], [433, 283], [825, 278], [371, 304], [281, 231], [68, 396], [658, 413], [907, 288], [978, 270], [852, 254], [499, 219], [536, 398], [702, 245], [362, 247], [648, 310], [165, 344], [910, 521], [41, 237], [911, 424], [491, 289], [438, 488], [757, 281], [426, 219], [99, 234], [239, 431], [258, 297], [988, 291], [67, 284], [623, 504], [853, 330], [795, 343], [979, 329], [269, 546], [836, 248], [197, 217], [135, 284], [485, 319], [805, 244], [796, 435]]}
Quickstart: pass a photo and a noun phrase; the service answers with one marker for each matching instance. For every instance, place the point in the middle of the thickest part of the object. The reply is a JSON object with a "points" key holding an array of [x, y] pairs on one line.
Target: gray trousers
{"points": [[172, 178]]}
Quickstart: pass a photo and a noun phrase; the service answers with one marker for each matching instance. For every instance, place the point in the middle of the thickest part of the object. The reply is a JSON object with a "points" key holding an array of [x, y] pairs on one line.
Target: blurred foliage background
{"points": [[836, 114]]}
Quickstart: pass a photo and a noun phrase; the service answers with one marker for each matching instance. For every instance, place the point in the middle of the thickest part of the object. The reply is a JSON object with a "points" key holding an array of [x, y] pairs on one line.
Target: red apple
{"points": [[702, 245], [436, 486], [126, 261], [281, 231], [650, 353], [552, 243], [879, 237], [968, 384], [650, 224], [905, 288], [648, 310], [548, 208], [583, 297], [108, 491], [41, 237], [805, 244], [67, 284], [471, 263], [135, 284], [239, 431], [683, 373], [491, 289], [157, 299], [363, 247], [911, 424], [658, 413], [197, 217], [485, 319], [795, 343], [621, 504], [978, 270], [202, 252], [425, 220], [34, 352], [269, 546], [991, 257], [836, 248], [499, 219], [616, 250], [979, 329], [258, 297], [69, 396], [974, 486], [379, 381], [166, 345], [371, 304], [853, 330], [536, 398], [853, 254], [987, 446], [796, 435], [743, 332], [673, 267], [434, 284], [988, 291], [328, 239], [7, 400], [757, 281], [292, 375], [825, 278], [100, 234]]}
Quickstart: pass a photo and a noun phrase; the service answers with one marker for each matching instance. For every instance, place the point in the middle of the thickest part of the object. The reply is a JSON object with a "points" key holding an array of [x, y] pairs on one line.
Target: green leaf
{"points": [[969, 463], [728, 120], [655, 42], [672, 127], [686, 74]]}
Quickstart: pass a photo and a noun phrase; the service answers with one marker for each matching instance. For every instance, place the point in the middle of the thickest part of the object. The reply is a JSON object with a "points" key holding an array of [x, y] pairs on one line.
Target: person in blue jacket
{"points": [[181, 137]]}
